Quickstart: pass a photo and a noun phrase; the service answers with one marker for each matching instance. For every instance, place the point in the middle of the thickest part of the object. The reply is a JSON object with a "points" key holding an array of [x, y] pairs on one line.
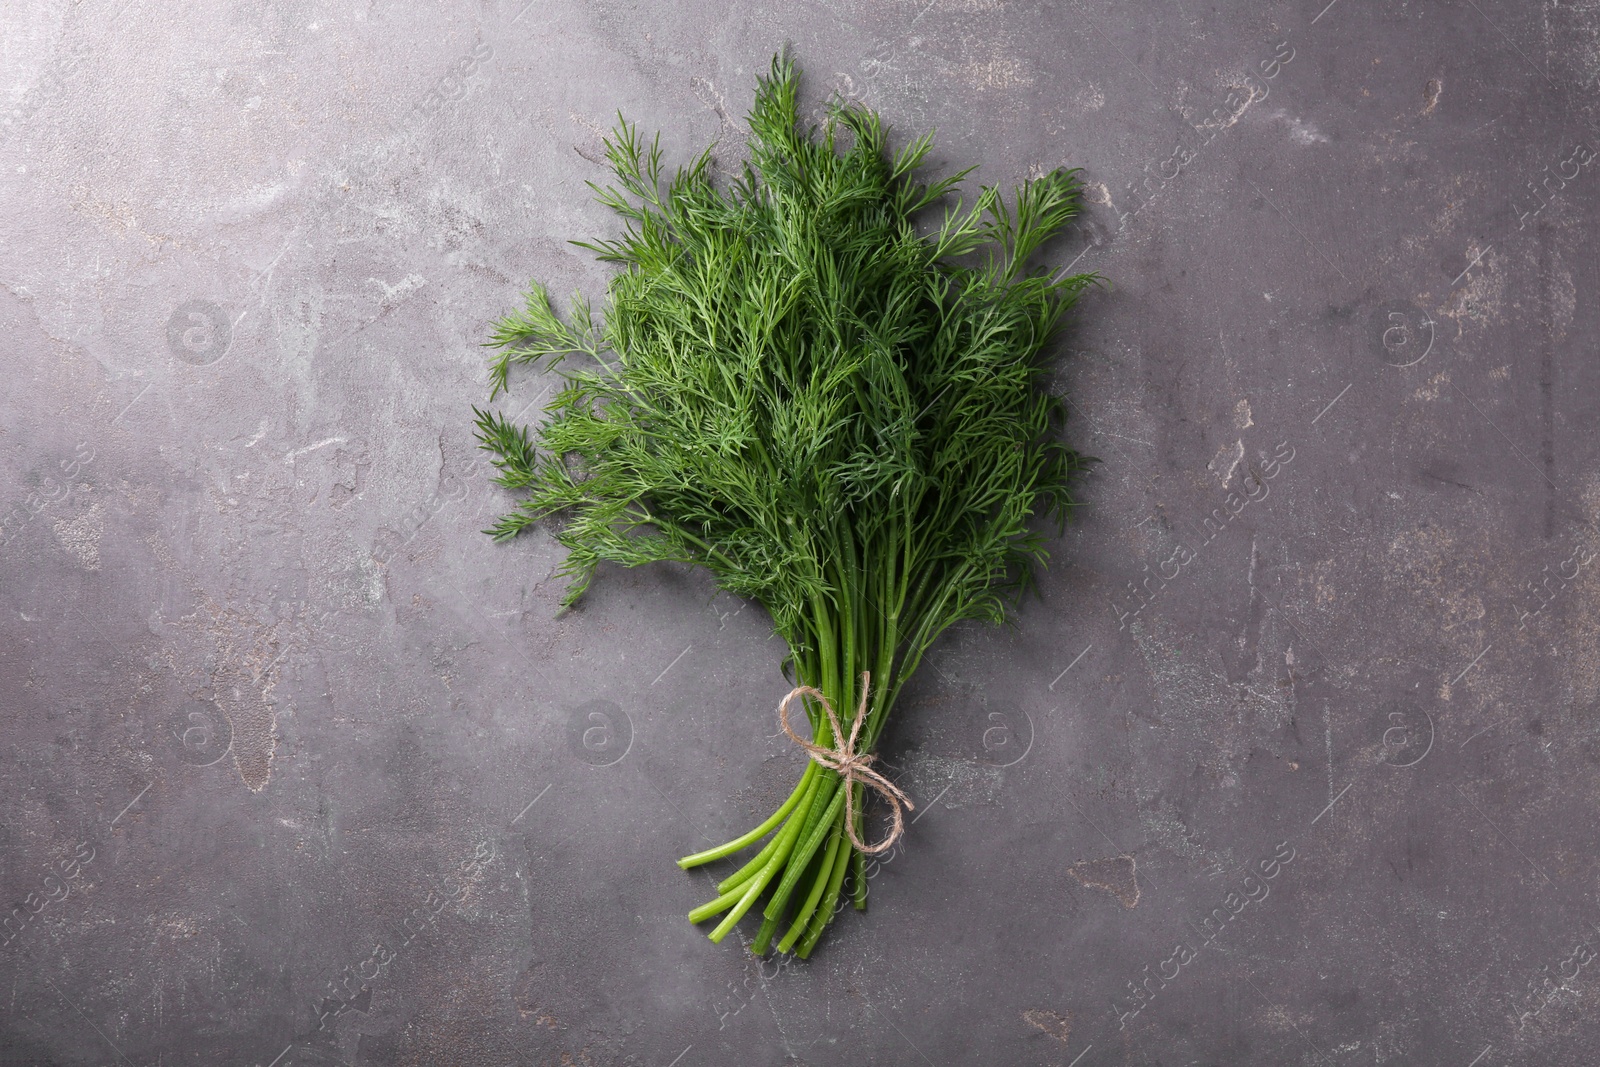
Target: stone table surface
{"points": [[1293, 761]]}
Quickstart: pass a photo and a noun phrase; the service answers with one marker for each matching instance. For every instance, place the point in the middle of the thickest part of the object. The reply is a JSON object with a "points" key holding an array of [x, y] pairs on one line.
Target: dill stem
{"points": [[716, 907], [749, 870], [816, 830], [786, 838], [729, 848], [802, 917], [860, 861], [824, 913]]}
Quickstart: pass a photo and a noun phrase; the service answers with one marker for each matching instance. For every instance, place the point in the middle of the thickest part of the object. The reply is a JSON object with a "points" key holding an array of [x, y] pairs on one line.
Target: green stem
{"points": [[827, 659], [860, 860], [802, 917], [816, 833], [786, 837], [813, 838], [845, 572], [821, 917], [743, 906], [749, 870], [754, 888], [769, 926], [716, 907], [758, 833]]}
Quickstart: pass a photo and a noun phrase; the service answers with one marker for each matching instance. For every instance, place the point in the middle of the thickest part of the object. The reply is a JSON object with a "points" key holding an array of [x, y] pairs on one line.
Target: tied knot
{"points": [[850, 765]]}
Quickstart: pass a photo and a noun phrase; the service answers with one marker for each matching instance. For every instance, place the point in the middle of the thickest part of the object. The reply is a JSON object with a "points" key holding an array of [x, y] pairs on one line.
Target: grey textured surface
{"points": [[1294, 761]]}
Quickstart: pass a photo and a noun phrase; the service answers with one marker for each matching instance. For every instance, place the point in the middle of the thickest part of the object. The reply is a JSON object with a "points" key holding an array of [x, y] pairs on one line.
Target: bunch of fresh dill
{"points": [[841, 416]]}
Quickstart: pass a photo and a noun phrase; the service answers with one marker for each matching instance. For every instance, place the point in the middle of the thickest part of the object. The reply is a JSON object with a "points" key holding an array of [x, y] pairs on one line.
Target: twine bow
{"points": [[852, 766]]}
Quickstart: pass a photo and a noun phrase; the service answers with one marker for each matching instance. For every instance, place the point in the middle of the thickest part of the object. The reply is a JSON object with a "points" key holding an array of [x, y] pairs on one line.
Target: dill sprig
{"points": [[824, 384]]}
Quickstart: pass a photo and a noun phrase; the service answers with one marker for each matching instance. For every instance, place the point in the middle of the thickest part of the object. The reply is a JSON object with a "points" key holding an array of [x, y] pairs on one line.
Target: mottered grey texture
{"points": [[1292, 761]]}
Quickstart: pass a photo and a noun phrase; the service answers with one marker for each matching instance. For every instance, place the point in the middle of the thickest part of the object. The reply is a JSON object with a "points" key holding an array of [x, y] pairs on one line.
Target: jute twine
{"points": [[852, 766]]}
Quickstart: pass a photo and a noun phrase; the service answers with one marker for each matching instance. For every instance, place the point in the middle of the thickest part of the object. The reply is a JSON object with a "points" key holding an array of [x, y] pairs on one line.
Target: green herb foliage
{"points": [[824, 384]]}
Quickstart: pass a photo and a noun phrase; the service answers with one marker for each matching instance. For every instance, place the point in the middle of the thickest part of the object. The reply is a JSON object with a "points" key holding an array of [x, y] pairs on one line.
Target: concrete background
{"points": [[1294, 761]]}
